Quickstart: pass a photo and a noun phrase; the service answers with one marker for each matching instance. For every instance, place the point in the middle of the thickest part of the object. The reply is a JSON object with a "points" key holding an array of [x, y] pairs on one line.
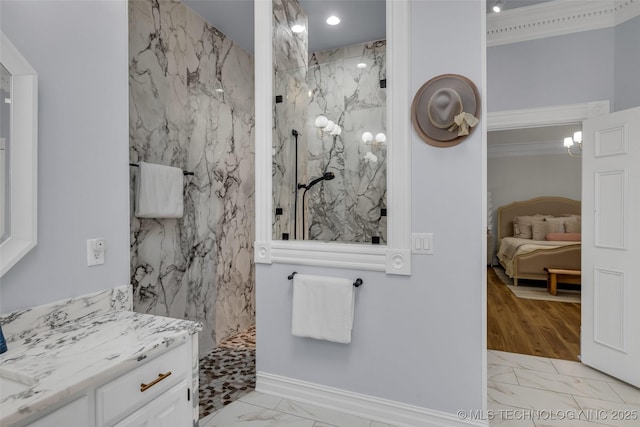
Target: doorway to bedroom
{"points": [[523, 316]]}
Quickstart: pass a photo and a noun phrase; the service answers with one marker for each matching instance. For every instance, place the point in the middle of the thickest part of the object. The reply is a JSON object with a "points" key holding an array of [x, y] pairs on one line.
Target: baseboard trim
{"points": [[362, 405]]}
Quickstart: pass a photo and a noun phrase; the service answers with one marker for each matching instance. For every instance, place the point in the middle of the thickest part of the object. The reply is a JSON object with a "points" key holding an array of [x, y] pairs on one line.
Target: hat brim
{"points": [[419, 108]]}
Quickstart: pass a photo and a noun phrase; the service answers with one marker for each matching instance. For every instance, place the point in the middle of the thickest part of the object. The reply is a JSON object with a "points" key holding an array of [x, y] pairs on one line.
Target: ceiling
{"points": [[513, 4], [362, 20], [233, 17]]}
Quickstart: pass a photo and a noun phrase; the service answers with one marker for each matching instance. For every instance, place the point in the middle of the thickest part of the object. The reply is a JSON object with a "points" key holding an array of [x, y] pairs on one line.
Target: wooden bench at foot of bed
{"points": [[555, 275]]}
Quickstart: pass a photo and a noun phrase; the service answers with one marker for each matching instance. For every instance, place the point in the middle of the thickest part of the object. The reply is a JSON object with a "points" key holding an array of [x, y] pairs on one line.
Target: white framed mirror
{"points": [[19, 143], [395, 256]]}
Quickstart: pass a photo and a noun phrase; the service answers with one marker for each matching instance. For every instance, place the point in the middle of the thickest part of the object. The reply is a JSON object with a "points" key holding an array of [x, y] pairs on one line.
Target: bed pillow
{"points": [[572, 227], [541, 227], [571, 223], [564, 237], [522, 225]]}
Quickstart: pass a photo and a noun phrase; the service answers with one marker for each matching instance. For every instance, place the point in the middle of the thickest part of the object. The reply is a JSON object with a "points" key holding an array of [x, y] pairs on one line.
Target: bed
{"points": [[526, 258]]}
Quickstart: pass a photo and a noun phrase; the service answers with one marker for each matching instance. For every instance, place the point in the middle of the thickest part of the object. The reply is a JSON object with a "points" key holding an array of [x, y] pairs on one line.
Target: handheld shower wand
{"points": [[327, 176]]}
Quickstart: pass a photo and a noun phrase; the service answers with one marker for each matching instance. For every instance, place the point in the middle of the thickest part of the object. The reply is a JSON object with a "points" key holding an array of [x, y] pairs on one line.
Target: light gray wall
{"points": [[558, 70], [417, 339], [627, 65], [79, 50], [520, 178]]}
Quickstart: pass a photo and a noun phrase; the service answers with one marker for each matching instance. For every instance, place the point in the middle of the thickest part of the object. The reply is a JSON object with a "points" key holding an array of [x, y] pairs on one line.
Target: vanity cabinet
{"points": [[156, 393], [69, 415], [170, 409], [149, 382]]}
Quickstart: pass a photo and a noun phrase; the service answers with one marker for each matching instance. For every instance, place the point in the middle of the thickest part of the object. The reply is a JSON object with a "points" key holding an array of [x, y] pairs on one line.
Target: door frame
{"points": [[542, 117], [546, 116]]}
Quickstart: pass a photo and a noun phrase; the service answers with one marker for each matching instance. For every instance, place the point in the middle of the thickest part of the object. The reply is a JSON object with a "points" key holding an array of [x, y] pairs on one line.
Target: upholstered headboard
{"points": [[555, 206]]}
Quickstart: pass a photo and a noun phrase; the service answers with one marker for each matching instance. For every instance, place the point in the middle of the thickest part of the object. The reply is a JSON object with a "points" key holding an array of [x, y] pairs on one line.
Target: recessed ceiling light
{"points": [[297, 28], [333, 20], [361, 65], [219, 90]]}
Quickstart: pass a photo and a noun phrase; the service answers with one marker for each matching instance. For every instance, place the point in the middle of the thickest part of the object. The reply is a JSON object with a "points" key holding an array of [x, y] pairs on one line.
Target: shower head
{"points": [[328, 176]]}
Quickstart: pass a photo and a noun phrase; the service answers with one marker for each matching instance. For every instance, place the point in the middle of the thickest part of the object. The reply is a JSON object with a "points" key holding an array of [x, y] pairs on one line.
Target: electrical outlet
{"points": [[95, 251]]}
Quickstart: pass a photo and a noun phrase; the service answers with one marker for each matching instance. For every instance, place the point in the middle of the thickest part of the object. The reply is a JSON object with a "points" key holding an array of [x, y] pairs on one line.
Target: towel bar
{"points": [[357, 283], [184, 172]]}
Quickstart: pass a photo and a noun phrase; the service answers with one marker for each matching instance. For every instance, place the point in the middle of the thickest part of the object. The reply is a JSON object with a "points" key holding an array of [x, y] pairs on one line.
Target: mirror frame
{"points": [[24, 156], [393, 258]]}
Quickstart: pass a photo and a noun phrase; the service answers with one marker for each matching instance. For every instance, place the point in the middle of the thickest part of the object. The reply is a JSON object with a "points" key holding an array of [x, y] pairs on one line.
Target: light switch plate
{"points": [[422, 243]]}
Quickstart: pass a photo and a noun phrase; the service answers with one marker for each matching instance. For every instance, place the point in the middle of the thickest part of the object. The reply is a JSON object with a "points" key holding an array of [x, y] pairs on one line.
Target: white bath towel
{"points": [[159, 191], [322, 308]]}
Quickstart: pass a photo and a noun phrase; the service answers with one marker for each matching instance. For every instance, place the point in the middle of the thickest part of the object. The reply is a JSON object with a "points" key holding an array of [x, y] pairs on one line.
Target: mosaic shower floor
{"points": [[228, 372]]}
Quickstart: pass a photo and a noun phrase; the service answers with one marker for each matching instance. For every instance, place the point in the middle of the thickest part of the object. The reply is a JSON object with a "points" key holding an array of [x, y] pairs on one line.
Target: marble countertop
{"points": [[80, 354]]}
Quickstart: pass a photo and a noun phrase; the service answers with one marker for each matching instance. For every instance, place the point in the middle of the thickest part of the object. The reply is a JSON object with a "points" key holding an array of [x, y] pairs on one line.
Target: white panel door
{"points": [[610, 339]]}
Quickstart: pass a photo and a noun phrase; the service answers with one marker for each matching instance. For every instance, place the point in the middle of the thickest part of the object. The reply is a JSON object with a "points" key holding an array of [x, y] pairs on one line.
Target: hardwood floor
{"points": [[539, 328]]}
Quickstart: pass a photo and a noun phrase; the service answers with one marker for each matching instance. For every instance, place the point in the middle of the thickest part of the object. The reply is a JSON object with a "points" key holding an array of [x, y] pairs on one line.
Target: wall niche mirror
{"points": [[18, 155], [332, 146], [329, 137]]}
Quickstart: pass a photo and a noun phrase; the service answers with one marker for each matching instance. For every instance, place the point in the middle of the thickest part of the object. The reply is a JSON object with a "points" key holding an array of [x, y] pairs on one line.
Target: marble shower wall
{"points": [[350, 207], [290, 61], [191, 105]]}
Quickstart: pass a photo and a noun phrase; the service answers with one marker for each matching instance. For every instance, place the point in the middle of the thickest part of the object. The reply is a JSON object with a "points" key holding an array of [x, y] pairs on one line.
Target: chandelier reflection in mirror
{"points": [[571, 142]]}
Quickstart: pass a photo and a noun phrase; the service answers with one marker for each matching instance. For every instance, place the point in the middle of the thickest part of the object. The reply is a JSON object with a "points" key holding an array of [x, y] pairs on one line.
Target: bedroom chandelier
{"points": [[570, 142]]}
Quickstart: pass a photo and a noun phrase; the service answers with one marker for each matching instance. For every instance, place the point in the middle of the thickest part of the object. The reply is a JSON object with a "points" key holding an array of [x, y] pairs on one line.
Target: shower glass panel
{"points": [[329, 136]]}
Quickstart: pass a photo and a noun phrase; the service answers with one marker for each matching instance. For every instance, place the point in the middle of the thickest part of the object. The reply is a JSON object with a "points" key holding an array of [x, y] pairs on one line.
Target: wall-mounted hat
{"points": [[445, 109]]}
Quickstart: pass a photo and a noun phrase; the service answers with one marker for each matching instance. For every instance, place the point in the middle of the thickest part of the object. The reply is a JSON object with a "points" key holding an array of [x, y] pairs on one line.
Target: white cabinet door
{"points": [[75, 413], [171, 409]]}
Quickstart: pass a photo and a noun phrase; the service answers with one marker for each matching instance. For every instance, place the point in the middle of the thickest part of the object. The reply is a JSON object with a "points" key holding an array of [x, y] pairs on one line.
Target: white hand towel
{"points": [[159, 191], [322, 308]]}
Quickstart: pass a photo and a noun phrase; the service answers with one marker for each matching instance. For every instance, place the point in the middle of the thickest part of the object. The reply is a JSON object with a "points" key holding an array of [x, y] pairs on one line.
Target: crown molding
{"points": [[557, 18], [519, 149]]}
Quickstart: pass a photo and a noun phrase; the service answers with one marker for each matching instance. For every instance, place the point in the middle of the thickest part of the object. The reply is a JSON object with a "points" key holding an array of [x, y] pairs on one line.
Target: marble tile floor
{"points": [[532, 391], [261, 410], [228, 372], [522, 391]]}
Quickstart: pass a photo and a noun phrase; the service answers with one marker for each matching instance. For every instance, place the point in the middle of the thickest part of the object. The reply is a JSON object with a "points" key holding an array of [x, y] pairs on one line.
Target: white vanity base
{"points": [[89, 366]]}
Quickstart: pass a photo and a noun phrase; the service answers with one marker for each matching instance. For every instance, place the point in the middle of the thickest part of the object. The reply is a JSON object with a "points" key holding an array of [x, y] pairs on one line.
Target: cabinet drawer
{"points": [[133, 389]]}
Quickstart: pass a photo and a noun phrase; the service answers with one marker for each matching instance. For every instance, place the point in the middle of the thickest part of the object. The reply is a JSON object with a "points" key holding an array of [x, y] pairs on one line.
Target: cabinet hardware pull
{"points": [[144, 386]]}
